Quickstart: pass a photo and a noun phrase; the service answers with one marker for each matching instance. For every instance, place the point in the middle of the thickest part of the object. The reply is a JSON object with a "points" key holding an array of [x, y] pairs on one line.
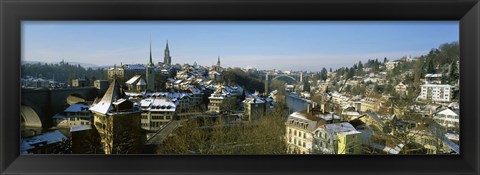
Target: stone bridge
{"points": [[294, 77], [48, 102]]}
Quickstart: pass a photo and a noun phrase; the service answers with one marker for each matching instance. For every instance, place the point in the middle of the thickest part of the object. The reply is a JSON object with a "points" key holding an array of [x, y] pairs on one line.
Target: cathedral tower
{"points": [[167, 59]]}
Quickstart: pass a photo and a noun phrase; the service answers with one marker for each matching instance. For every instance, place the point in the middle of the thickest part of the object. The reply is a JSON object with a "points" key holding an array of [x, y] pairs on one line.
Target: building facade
{"points": [[436, 92], [337, 138], [157, 112], [75, 115], [118, 122], [448, 118]]}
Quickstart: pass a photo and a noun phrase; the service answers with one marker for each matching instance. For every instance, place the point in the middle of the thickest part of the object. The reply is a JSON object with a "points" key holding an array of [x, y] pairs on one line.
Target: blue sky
{"points": [[294, 45]]}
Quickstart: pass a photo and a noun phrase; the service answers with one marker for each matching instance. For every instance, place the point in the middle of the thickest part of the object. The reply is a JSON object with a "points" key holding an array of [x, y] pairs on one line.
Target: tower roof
{"points": [[112, 94], [166, 48], [218, 60], [151, 61]]}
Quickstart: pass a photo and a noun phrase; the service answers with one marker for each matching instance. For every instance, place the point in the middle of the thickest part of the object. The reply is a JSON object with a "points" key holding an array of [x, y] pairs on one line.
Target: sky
{"points": [[281, 45]]}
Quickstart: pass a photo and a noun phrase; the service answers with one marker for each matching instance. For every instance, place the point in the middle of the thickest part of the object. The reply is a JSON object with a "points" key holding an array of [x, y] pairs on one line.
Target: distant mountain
{"points": [[85, 65]]}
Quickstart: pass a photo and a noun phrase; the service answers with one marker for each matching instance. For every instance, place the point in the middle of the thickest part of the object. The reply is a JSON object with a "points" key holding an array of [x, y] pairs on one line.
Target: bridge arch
{"points": [[74, 98], [285, 76], [30, 114]]}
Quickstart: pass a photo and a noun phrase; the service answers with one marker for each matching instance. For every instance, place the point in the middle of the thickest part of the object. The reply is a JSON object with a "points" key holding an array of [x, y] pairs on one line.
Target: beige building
{"points": [[370, 104], [254, 108], [432, 139], [79, 83], [157, 112], [219, 102], [116, 72], [300, 127], [401, 88], [337, 138], [118, 122]]}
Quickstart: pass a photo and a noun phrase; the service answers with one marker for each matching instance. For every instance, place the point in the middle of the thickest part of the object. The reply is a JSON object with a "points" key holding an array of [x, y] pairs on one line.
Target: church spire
{"points": [[218, 61], [166, 48], [151, 62]]}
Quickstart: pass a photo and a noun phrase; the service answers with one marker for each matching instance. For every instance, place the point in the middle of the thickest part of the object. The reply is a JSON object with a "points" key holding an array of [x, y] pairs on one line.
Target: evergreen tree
{"points": [[453, 74], [430, 67], [323, 74]]}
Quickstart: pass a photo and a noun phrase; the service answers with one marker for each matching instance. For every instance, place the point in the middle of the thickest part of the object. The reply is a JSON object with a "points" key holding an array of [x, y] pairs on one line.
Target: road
{"points": [[163, 133]]}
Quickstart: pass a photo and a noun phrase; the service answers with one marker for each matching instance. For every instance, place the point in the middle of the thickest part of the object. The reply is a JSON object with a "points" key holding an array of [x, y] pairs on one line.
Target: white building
{"points": [[391, 65], [401, 88], [156, 112], [447, 118], [436, 92], [433, 79], [75, 115]]}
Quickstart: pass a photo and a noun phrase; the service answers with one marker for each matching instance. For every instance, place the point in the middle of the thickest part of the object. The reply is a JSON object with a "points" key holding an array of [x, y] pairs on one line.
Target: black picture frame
{"points": [[14, 11]]}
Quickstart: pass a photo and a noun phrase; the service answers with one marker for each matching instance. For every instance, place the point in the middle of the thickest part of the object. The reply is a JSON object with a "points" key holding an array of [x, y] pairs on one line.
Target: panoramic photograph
{"points": [[240, 87]]}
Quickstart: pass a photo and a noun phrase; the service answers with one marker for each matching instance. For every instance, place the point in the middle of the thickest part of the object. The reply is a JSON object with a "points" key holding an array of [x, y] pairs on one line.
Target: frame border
{"points": [[12, 12]]}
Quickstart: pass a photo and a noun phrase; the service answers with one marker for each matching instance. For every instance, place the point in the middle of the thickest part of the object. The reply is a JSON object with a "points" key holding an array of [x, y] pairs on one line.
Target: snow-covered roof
{"points": [[344, 128], [329, 117], [448, 112], [145, 103], [45, 138], [133, 79], [162, 104], [80, 128], [141, 82], [433, 75], [300, 118], [119, 101], [135, 67], [104, 106], [254, 100], [452, 136], [78, 107]]}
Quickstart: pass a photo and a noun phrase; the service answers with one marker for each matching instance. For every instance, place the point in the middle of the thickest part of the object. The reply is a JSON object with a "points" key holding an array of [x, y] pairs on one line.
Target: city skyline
{"points": [[307, 45]]}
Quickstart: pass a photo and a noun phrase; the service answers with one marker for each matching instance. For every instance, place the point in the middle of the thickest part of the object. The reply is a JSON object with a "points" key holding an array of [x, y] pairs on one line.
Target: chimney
{"points": [[309, 108]]}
